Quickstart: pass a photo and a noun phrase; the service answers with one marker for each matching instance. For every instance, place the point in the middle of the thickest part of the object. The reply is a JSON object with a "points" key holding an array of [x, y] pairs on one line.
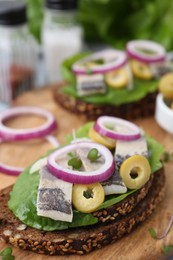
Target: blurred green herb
{"points": [[167, 249], [88, 193], [6, 254], [115, 22], [70, 154], [75, 162], [167, 157], [35, 14], [152, 232], [93, 155]]}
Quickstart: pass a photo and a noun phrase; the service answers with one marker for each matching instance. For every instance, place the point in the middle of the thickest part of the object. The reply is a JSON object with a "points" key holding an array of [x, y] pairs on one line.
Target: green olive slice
{"points": [[135, 171], [87, 197]]}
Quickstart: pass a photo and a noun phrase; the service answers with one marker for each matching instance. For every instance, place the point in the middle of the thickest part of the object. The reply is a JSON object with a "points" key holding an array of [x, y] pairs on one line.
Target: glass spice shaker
{"points": [[18, 52], [61, 36]]}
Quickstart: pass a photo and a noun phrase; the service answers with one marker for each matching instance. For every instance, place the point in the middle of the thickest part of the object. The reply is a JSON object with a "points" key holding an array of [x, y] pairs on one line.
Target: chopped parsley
{"points": [[152, 233], [167, 249], [167, 157]]}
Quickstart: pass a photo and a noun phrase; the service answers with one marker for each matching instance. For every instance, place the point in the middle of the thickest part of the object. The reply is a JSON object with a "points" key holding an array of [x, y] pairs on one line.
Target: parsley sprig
{"points": [[152, 233], [167, 249]]}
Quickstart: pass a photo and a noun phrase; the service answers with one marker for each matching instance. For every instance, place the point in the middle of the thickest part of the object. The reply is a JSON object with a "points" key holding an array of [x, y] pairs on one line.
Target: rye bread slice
{"points": [[142, 108], [77, 240]]}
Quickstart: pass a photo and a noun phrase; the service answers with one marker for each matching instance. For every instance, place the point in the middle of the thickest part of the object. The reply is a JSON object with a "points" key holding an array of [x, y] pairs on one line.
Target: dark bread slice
{"points": [[130, 111], [77, 240]]}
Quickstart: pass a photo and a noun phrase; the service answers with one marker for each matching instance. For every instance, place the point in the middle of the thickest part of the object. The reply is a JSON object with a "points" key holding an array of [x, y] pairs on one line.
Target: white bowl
{"points": [[164, 114]]}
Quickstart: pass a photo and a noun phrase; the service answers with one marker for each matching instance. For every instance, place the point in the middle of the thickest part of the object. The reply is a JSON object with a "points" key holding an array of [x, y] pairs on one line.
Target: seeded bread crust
{"points": [[142, 108], [77, 240], [120, 209]]}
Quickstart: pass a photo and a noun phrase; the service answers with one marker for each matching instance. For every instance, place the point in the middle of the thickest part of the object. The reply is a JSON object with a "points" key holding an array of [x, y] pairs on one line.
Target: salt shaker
{"points": [[61, 35], [18, 51]]}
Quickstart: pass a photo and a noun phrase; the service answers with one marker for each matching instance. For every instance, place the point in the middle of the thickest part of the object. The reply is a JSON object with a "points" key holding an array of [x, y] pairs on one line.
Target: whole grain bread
{"points": [[130, 111], [79, 240]]}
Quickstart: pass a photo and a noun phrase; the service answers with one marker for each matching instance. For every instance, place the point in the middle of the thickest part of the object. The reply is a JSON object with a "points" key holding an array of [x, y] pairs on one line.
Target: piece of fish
{"points": [[90, 84], [54, 199]]}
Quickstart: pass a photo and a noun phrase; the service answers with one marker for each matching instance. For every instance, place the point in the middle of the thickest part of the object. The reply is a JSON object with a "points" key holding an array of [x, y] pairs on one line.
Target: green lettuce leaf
{"points": [[23, 197], [155, 151], [112, 96]]}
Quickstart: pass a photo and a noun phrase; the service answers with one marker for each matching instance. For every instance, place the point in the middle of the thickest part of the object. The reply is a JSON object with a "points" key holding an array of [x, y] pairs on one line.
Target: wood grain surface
{"points": [[138, 244]]}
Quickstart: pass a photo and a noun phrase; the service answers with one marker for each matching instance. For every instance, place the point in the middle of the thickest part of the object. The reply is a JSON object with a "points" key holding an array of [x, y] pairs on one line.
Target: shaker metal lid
{"points": [[61, 4], [12, 13]]}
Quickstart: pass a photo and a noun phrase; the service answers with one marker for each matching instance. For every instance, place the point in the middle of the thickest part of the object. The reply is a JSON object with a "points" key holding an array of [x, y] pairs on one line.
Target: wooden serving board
{"points": [[138, 244]]}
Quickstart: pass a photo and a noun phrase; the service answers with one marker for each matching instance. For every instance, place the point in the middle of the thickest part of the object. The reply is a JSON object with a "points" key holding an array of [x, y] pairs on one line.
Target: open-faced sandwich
{"points": [[88, 193], [113, 82]]}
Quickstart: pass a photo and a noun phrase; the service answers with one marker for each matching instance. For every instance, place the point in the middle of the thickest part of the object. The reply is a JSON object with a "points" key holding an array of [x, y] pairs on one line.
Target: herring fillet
{"points": [[90, 84], [124, 149], [54, 197], [129, 148], [114, 185]]}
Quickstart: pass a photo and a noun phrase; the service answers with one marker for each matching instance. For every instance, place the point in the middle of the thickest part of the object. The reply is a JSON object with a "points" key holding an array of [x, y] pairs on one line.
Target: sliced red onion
{"points": [[122, 129], [9, 134], [133, 51], [113, 59], [81, 177], [15, 171], [10, 170]]}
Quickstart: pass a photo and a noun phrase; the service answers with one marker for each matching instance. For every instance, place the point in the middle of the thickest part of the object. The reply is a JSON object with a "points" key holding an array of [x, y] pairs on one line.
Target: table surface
{"points": [[138, 244]]}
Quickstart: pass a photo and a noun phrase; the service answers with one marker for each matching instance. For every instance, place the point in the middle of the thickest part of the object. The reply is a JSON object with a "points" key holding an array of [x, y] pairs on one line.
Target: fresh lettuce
{"points": [[23, 197], [112, 96]]}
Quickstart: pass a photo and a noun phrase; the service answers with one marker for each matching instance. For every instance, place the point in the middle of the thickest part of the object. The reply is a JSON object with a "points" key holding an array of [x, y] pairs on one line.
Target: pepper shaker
{"points": [[18, 51]]}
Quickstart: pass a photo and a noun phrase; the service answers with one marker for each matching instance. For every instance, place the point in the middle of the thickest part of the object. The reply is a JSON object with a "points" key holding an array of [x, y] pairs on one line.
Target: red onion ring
{"points": [[132, 132], [10, 170], [133, 46], [81, 177], [118, 59], [15, 171], [9, 134]]}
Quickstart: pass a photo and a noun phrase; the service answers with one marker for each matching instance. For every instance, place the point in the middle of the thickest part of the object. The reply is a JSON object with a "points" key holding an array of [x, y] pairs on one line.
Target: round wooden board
{"points": [[137, 245]]}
